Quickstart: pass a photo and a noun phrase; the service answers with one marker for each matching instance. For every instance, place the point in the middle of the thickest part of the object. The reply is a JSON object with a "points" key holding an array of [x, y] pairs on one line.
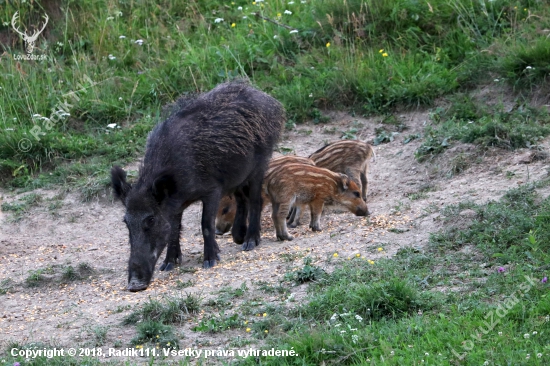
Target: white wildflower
{"points": [[218, 20], [139, 42], [121, 37], [119, 14], [287, 12], [111, 125], [290, 2], [240, 8], [111, 57], [358, 317], [275, 36], [293, 31], [526, 335]]}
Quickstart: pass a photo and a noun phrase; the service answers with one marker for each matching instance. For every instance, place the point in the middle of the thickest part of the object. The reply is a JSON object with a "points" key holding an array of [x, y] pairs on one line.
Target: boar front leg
{"points": [[316, 208], [173, 252], [210, 206], [280, 211]]}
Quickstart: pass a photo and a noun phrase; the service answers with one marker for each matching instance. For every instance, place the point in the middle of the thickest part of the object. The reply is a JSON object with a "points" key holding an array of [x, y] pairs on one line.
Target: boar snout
{"points": [[139, 276], [362, 211]]}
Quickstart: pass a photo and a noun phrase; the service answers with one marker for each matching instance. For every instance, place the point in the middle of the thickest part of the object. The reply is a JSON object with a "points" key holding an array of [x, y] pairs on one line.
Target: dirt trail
{"points": [[404, 197]]}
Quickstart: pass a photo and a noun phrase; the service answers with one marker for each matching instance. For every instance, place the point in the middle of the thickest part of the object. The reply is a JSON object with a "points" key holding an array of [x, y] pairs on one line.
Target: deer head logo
{"points": [[29, 40]]}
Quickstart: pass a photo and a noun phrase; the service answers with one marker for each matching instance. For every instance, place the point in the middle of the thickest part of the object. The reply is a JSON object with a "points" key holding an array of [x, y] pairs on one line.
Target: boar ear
{"points": [[345, 182], [118, 181], [164, 187]]}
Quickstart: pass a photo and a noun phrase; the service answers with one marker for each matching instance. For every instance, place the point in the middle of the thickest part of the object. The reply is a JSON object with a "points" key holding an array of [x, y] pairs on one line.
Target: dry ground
{"points": [[403, 195]]}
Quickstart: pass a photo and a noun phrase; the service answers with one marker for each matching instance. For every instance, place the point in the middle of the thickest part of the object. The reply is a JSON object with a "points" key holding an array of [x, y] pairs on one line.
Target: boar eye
{"points": [[356, 194], [225, 210], [148, 222]]}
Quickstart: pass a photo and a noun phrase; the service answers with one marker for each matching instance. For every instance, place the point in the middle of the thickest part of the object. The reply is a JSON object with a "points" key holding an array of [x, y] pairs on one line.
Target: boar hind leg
{"points": [[280, 211], [252, 238], [316, 208], [238, 230], [364, 185], [210, 206], [295, 213], [173, 252]]}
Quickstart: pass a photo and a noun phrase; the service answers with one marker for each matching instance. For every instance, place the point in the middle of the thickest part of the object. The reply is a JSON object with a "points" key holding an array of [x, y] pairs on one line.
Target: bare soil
{"points": [[405, 198]]}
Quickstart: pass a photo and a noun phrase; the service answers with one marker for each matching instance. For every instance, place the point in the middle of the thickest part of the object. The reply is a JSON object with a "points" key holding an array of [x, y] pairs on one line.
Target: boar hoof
{"points": [[250, 244], [136, 287], [316, 228], [291, 225], [287, 237], [167, 266], [209, 264]]}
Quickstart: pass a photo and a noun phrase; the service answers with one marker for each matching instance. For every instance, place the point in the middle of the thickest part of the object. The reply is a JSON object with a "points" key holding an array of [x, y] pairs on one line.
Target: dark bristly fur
{"points": [[216, 143]]}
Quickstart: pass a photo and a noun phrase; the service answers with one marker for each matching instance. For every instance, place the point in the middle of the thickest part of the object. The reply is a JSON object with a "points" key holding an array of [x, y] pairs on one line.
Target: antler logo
{"points": [[29, 40]]}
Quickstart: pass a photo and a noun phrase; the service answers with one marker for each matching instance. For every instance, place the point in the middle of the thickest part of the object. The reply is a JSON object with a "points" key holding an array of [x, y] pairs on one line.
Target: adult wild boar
{"points": [[216, 143]]}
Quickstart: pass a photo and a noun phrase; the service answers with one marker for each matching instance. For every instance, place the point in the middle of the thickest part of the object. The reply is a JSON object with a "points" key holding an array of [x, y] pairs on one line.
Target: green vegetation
{"points": [[307, 273], [215, 324], [109, 67], [485, 305], [171, 310], [155, 333], [471, 121]]}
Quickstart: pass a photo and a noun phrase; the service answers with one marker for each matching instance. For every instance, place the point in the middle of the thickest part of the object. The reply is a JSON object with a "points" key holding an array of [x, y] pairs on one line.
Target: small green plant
{"points": [[155, 333], [5, 285], [216, 324], [230, 293], [383, 136], [308, 272], [70, 274], [181, 285], [99, 335], [172, 310], [35, 278]]}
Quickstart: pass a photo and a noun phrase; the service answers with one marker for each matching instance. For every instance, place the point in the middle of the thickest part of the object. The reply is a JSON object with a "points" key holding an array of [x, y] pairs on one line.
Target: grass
{"points": [[468, 120], [486, 305], [117, 63], [172, 310]]}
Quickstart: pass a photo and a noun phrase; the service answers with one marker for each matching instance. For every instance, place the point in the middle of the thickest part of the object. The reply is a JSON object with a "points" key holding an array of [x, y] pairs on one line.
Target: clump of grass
{"points": [[70, 274], [230, 293], [522, 127], [155, 333], [527, 64], [35, 278], [5, 285], [99, 335], [307, 273], [216, 324], [172, 310]]}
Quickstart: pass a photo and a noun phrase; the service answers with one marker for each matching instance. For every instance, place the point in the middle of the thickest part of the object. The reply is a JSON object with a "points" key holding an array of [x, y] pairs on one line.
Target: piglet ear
{"points": [[163, 187], [344, 182], [119, 184]]}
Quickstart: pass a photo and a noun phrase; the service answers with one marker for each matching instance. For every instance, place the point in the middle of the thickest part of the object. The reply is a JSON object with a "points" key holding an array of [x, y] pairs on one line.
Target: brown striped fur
{"points": [[228, 205], [302, 184], [349, 157]]}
